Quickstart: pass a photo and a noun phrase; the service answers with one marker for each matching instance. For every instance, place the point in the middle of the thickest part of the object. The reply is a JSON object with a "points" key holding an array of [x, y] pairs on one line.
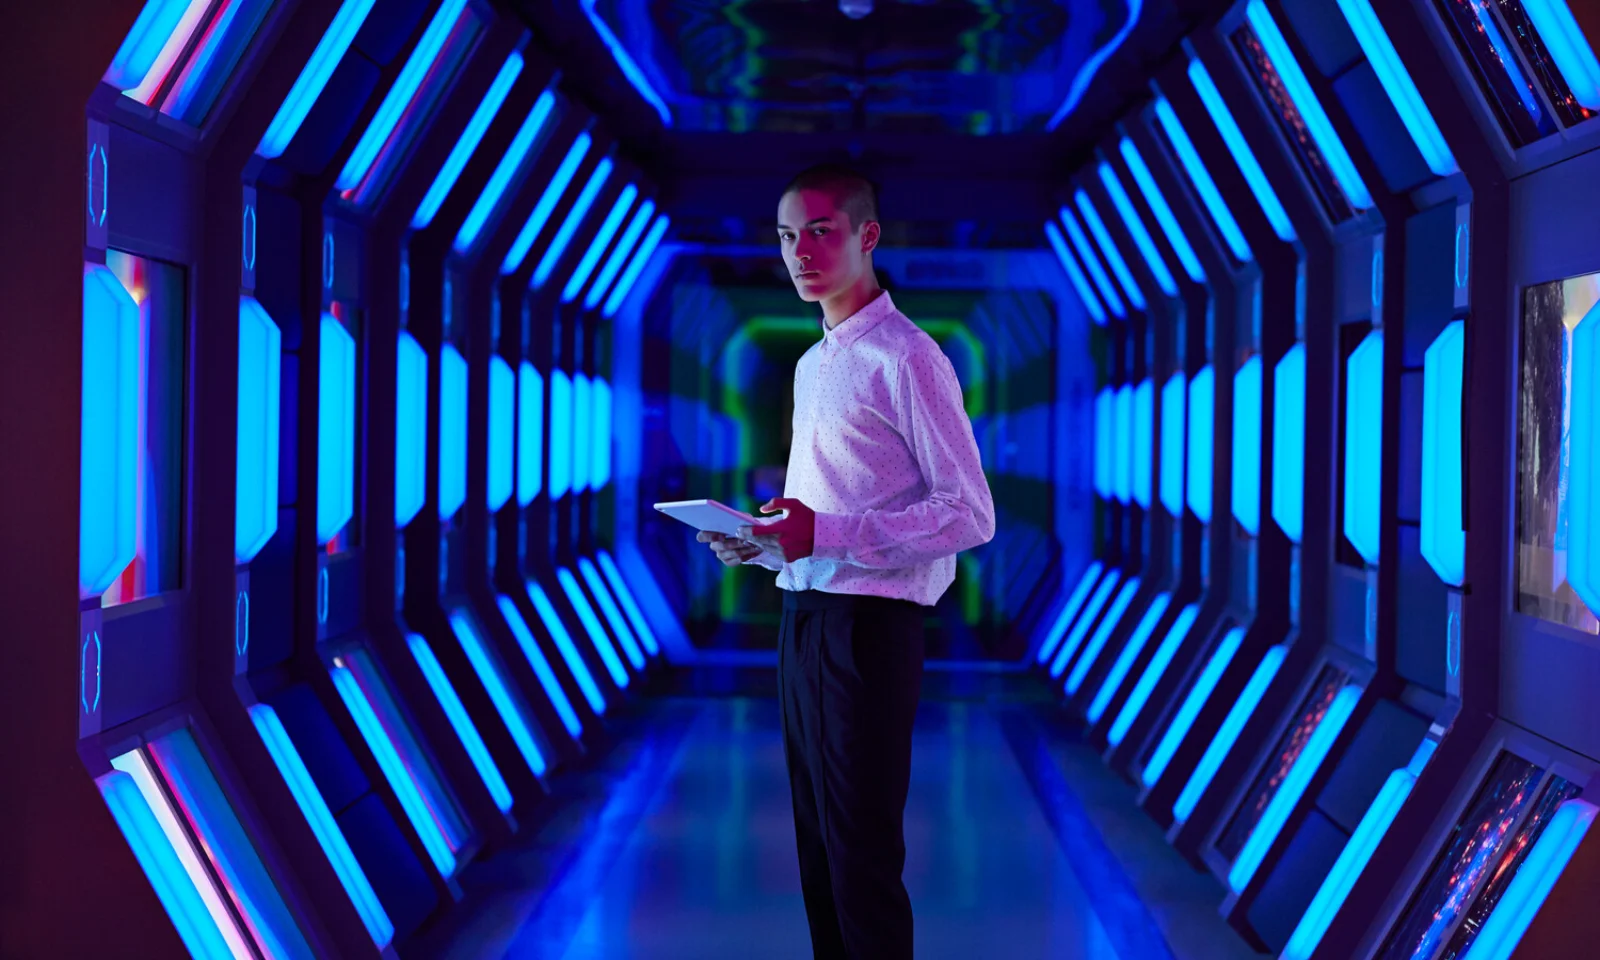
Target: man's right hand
{"points": [[730, 550]]}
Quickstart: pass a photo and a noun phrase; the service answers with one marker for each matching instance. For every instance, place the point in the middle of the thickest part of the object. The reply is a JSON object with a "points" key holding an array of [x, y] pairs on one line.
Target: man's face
{"points": [[823, 252]]}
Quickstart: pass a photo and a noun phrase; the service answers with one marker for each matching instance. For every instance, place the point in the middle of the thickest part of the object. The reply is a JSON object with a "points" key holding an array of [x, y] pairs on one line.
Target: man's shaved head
{"points": [[855, 195]]}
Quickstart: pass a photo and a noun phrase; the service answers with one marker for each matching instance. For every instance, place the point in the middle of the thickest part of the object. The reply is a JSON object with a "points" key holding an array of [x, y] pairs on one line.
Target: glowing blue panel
{"points": [[1104, 442], [1173, 394], [1397, 84], [1305, 99], [1144, 441], [1203, 184], [502, 431], [1363, 448], [1122, 444], [1444, 543], [1136, 229], [256, 482], [461, 722], [560, 434], [597, 246], [329, 836], [1091, 576], [314, 77], [1158, 205], [619, 255], [395, 771], [1289, 442], [399, 97], [619, 587], [630, 276], [619, 625], [1080, 283], [1228, 734], [410, 429], [1534, 879], [1242, 154], [581, 437], [530, 433], [591, 624], [1152, 673], [108, 476], [1102, 236], [1247, 445], [1097, 643], [1130, 652], [452, 432], [1583, 486], [1102, 282], [553, 192], [504, 172], [625, 62], [145, 42], [1202, 432], [1568, 47], [541, 667], [569, 226], [1204, 686], [1293, 788], [564, 645], [468, 142], [494, 684], [336, 429], [1086, 620], [600, 434]]}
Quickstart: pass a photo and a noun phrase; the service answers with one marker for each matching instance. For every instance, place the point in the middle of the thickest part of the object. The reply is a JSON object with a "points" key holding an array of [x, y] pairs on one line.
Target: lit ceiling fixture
{"points": [[855, 9]]}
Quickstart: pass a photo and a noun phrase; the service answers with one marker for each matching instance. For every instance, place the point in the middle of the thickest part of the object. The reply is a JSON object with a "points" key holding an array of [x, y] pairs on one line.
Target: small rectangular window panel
{"points": [[460, 721], [336, 429], [467, 144], [410, 429], [1178, 140], [1086, 256], [452, 431], [506, 702], [592, 626], [1144, 441], [557, 629], [1097, 643], [314, 77], [1069, 611], [641, 259], [1163, 213], [1228, 734], [502, 435], [1102, 236], [600, 434], [1130, 652], [541, 667], [1136, 229], [509, 169], [1240, 150], [530, 433], [619, 254], [574, 219], [1075, 276], [1153, 671], [1173, 395], [1083, 623], [1202, 431], [560, 434], [180, 54], [1444, 543], [624, 596], [613, 613], [1363, 447], [548, 199], [1289, 442], [1247, 431], [1183, 721], [256, 479]]}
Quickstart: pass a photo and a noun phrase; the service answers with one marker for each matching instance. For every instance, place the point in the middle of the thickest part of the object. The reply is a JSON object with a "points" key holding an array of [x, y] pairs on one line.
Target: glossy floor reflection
{"points": [[682, 846]]}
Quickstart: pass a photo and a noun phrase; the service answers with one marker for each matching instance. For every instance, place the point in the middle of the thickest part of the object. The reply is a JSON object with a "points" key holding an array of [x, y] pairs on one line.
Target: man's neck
{"points": [[848, 303]]}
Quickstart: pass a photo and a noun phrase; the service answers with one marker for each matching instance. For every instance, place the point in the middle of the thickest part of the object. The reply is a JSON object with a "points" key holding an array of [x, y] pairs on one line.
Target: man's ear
{"points": [[871, 233]]}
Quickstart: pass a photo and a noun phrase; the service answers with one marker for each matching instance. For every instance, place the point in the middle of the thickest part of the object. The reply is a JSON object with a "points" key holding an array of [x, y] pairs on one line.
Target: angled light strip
{"points": [[1583, 496], [591, 624], [1363, 448], [1164, 217], [336, 429], [410, 429], [1534, 879], [314, 77], [1136, 229], [1183, 722], [1085, 620], [619, 256], [1173, 394], [1144, 441], [530, 433], [640, 259], [500, 695], [1289, 443], [1228, 734], [1246, 494], [157, 73], [1241, 152], [1080, 283], [629, 68], [1293, 788], [619, 624], [1130, 652], [500, 180], [400, 94], [1102, 236], [329, 836], [147, 41], [502, 431], [1153, 671], [619, 586], [452, 431], [220, 45], [597, 246], [1317, 122], [461, 722], [541, 667], [565, 646], [1104, 442], [1567, 46], [1396, 80], [1202, 435], [468, 142], [1097, 643], [1444, 543], [1102, 282], [553, 191], [1203, 184], [569, 226], [1091, 66]]}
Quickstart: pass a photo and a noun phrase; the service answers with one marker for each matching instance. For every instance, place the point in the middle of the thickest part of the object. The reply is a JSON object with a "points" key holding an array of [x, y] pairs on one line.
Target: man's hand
{"points": [[730, 550], [789, 539]]}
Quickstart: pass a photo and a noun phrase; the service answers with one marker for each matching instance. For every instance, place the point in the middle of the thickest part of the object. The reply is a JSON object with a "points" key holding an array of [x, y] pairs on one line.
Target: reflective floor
{"points": [[680, 844]]}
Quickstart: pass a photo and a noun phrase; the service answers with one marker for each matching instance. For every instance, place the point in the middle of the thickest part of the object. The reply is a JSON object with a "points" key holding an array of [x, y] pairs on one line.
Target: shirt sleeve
{"points": [[765, 559], [958, 511]]}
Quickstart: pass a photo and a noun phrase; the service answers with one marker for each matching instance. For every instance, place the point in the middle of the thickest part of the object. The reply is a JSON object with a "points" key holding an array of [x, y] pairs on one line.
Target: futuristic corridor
{"points": [[350, 344]]}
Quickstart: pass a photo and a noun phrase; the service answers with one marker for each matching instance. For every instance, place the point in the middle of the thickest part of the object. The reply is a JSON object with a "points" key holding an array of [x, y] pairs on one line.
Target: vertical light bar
{"points": [[541, 667], [1444, 544], [461, 722], [540, 215], [1080, 283], [1363, 444], [581, 437], [1136, 229], [1102, 236], [569, 650], [619, 256], [1153, 671], [1086, 620], [625, 62], [591, 624], [597, 246], [505, 171], [560, 434], [1104, 442], [467, 143], [1158, 205], [1097, 643], [1228, 734], [1080, 243], [619, 586], [1289, 442], [1144, 441], [1201, 178], [502, 435], [1247, 445], [1183, 721], [530, 433], [1173, 394], [314, 77], [108, 477], [452, 431], [500, 695], [1293, 788], [640, 259], [574, 219], [410, 429], [1075, 600], [1130, 652], [1202, 399], [256, 483], [619, 625], [600, 434], [1583, 486], [1122, 444], [1242, 155], [147, 41], [336, 429], [329, 836], [1534, 880], [1568, 47], [1397, 84]]}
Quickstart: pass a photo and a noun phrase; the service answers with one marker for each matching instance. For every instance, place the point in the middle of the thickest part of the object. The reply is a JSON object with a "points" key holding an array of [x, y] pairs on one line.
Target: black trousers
{"points": [[849, 676]]}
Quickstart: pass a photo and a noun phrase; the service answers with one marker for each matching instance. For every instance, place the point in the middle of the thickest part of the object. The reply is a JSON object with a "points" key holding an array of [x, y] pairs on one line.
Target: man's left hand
{"points": [[789, 539]]}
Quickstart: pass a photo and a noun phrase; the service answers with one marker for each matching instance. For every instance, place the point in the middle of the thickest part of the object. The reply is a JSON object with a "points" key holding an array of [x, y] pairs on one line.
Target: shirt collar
{"points": [[851, 329]]}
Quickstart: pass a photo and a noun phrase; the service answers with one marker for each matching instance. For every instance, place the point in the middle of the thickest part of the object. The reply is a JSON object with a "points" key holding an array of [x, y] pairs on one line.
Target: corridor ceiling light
{"points": [[1568, 48], [597, 246], [1080, 83], [510, 163], [1201, 178], [553, 192], [640, 259], [619, 256], [569, 226], [1102, 282], [1136, 229], [470, 138], [1102, 236], [1242, 155], [1397, 83], [1080, 283], [630, 69], [314, 77], [1158, 204]]}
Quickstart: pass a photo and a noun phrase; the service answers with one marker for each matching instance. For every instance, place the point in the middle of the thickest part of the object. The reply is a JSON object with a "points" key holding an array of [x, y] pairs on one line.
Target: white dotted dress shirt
{"points": [[884, 453]]}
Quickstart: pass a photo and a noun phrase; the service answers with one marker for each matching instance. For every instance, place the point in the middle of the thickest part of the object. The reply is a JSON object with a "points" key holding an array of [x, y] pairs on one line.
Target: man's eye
{"points": [[820, 231]]}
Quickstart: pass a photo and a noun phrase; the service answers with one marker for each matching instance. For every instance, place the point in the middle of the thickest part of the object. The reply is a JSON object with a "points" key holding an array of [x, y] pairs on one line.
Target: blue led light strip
{"points": [[1397, 84], [1102, 236], [1567, 46], [108, 478], [640, 259], [468, 142], [591, 624], [256, 482], [619, 256], [336, 429], [1444, 543], [1082, 625], [1136, 229], [1203, 184], [581, 436], [1102, 282], [569, 226], [601, 427], [1122, 446], [568, 650], [500, 180], [145, 42], [1104, 443], [1097, 643], [619, 625], [1220, 115], [1130, 652], [411, 429], [1246, 498], [1090, 577], [502, 432], [1164, 217], [1363, 448], [505, 703], [1228, 734], [1080, 283], [1174, 393], [1289, 442], [1091, 66], [560, 434], [597, 246], [1202, 435], [314, 77], [541, 667], [1144, 441], [619, 587], [625, 61], [1152, 673], [530, 433], [1534, 880], [461, 722], [1183, 722], [1583, 486], [452, 432], [553, 191]]}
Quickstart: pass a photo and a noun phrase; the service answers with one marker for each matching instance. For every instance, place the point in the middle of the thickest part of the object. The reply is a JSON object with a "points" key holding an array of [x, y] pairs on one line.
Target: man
{"points": [[884, 488]]}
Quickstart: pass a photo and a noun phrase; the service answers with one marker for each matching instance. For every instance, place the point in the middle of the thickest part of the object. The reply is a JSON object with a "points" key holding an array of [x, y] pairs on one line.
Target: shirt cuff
{"points": [[833, 535]]}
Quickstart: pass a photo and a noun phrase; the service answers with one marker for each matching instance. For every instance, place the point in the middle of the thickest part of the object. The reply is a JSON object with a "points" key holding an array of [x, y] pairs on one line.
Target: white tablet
{"points": [[711, 515]]}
